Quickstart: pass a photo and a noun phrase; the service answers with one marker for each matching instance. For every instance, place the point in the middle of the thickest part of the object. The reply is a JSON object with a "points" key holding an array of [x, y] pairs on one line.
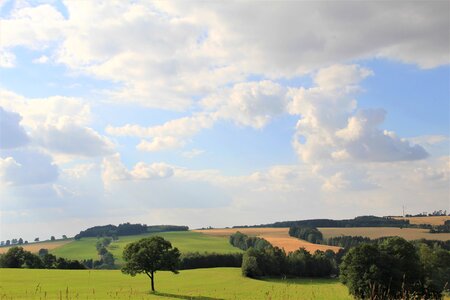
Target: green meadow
{"points": [[208, 284], [185, 241]]}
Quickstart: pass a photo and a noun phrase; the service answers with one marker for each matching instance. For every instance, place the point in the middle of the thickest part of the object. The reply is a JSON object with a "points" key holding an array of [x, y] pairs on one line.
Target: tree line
{"points": [[262, 259], [126, 229], [362, 221], [245, 242], [17, 257]]}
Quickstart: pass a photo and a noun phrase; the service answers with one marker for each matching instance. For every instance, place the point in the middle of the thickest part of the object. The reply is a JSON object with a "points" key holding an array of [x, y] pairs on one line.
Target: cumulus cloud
{"points": [[362, 140], [43, 111], [164, 54], [170, 135], [71, 139], [58, 124], [160, 143], [115, 170], [329, 128], [27, 166], [12, 134], [250, 103]]}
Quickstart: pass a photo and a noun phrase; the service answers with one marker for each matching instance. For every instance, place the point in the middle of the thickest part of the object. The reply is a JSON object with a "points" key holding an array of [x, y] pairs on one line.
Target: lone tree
{"points": [[149, 255]]}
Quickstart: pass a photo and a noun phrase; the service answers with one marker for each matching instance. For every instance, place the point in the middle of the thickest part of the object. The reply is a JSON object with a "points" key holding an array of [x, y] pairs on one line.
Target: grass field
{"points": [[34, 247], [185, 241], [376, 232], [207, 284], [276, 236], [434, 220]]}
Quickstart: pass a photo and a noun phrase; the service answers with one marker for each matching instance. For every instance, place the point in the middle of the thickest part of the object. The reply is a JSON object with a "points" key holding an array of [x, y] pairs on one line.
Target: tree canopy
{"points": [[149, 255]]}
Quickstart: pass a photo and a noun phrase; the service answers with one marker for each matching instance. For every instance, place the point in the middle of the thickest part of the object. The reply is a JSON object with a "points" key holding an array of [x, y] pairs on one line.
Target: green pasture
{"points": [[185, 241], [208, 284]]}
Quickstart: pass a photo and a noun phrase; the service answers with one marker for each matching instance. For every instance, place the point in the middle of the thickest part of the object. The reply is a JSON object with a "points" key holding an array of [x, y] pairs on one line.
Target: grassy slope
{"points": [[218, 283], [186, 241]]}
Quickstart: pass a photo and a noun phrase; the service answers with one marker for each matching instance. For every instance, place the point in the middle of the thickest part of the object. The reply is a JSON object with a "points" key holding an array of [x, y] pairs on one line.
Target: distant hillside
{"points": [[362, 221], [127, 229]]}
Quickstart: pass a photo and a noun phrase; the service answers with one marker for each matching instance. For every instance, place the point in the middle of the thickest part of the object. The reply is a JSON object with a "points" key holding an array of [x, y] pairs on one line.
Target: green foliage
{"points": [[309, 234], [273, 261], [346, 241], [436, 266], [13, 258], [245, 242], [195, 260], [17, 257], [149, 255], [250, 266], [394, 268], [126, 229]]}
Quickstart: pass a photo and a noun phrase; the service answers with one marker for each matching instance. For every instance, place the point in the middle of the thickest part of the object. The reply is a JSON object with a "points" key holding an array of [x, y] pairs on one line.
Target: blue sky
{"points": [[214, 114]]}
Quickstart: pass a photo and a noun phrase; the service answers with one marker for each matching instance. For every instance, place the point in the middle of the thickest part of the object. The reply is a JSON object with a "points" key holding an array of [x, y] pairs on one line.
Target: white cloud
{"points": [[362, 140], [27, 166], [58, 124], [160, 143], [34, 27], [164, 54], [71, 139], [170, 135], [193, 153], [329, 129], [7, 59], [12, 134], [46, 111], [41, 59], [182, 127], [251, 103], [115, 170]]}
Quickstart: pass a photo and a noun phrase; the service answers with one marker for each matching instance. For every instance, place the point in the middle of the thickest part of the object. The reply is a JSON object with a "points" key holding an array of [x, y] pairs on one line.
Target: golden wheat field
{"points": [[35, 247], [434, 220], [377, 232], [278, 237]]}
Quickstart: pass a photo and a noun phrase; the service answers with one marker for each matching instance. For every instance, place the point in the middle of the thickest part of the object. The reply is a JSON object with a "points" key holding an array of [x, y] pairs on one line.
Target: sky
{"points": [[209, 113]]}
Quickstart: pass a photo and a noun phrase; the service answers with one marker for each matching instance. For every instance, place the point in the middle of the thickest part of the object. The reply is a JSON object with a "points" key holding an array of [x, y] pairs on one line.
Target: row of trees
{"points": [[107, 259], [126, 229], [309, 234], [273, 261], [17, 257], [20, 241], [196, 260], [245, 242], [362, 221]]}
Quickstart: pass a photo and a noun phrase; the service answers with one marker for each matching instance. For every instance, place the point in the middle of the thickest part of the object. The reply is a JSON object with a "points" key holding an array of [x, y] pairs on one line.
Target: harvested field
{"points": [[377, 232], [435, 220], [278, 237], [35, 247]]}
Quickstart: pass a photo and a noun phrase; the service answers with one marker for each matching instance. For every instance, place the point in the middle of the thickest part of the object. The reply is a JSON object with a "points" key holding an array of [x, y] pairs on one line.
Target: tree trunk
{"points": [[153, 283]]}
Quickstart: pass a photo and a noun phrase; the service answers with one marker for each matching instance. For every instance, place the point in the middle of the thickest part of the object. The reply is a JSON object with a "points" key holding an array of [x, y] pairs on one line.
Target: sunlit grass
{"points": [[185, 241], [216, 283]]}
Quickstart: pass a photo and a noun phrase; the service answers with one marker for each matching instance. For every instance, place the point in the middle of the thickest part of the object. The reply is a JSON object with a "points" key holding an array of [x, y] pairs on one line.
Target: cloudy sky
{"points": [[220, 113]]}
